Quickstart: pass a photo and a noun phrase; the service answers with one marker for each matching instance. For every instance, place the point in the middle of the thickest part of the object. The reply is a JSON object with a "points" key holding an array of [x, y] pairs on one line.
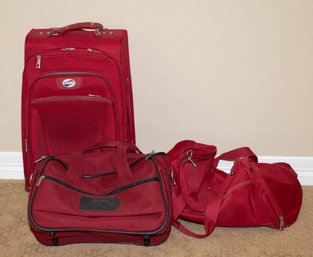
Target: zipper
{"points": [[279, 217], [167, 214], [277, 214], [273, 208], [99, 175], [192, 157], [113, 192], [83, 73], [92, 74], [237, 186], [66, 98], [89, 52], [137, 183], [40, 159], [47, 158], [149, 155], [189, 158]]}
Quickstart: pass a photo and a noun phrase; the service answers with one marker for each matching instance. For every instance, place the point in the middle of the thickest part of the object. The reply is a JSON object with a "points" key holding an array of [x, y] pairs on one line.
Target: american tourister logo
{"points": [[68, 82]]}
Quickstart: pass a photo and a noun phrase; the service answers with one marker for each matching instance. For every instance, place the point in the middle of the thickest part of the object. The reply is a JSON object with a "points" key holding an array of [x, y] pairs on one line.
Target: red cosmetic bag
{"points": [[112, 193], [253, 194]]}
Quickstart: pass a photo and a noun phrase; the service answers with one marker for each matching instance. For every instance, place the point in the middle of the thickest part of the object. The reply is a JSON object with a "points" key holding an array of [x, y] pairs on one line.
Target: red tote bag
{"points": [[252, 194]]}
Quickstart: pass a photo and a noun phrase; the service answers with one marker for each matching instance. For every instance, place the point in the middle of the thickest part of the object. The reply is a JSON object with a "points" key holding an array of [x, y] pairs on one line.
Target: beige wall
{"points": [[230, 73]]}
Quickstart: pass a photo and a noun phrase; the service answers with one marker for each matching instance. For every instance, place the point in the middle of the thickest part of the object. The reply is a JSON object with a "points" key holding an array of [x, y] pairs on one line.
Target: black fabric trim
{"points": [[115, 191]]}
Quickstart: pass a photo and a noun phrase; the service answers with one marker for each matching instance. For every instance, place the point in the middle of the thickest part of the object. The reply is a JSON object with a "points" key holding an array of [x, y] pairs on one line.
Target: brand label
{"points": [[68, 82]]}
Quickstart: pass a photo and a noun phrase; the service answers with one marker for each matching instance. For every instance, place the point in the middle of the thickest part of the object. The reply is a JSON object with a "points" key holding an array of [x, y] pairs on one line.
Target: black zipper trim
{"points": [[116, 191], [167, 214], [59, 161], [99, 175]]}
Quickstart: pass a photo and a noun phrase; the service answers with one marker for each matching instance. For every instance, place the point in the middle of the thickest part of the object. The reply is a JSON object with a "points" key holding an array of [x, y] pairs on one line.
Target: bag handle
{"points": [[113, 144], [210, 214], [121, 165], [93, 26], [233, 155]]}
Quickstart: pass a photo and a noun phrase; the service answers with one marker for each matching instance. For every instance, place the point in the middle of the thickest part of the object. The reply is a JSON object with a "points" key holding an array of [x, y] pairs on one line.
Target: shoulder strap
{"points": [[233, 155], [210, 214]]}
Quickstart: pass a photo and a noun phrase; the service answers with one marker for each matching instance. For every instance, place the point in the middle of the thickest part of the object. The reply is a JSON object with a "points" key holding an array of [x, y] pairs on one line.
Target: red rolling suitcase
{"points": [[76, 91]]}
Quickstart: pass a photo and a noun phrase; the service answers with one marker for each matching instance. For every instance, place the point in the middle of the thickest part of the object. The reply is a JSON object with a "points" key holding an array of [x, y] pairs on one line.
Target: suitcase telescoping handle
{"points": [[90, 26]]}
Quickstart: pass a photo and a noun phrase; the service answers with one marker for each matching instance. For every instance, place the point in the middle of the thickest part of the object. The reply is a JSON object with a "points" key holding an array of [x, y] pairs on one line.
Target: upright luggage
{"points": [[76, 91]]}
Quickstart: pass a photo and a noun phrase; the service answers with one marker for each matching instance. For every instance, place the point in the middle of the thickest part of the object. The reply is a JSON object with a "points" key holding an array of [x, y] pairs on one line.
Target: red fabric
{"points": [[83, 237], [253, 194], [144, 208], [59, 120]]}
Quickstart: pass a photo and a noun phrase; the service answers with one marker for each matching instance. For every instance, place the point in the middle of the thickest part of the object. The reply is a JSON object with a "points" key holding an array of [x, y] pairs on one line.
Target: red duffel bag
{"points": [[111, 193], [253, 194]]}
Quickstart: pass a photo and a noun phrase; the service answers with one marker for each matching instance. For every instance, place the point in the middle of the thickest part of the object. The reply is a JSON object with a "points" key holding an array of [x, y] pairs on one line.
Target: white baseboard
{"points": [[11, 165], [303, 165]]}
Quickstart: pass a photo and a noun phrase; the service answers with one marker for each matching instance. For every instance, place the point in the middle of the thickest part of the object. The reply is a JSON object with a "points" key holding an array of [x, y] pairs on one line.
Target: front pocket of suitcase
{"points": [[69, 123], [135, 208]]}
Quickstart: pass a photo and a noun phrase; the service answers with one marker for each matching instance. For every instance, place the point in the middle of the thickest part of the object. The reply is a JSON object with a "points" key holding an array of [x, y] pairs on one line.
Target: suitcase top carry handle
{"points": [[91, 26]]}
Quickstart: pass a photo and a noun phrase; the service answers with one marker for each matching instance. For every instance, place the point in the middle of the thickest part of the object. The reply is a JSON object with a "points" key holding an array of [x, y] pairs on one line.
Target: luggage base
{"points": [[64, 238]]}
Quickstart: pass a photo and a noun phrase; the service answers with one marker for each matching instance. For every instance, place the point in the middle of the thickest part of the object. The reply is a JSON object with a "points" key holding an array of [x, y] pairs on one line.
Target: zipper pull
{"points": [[281, 223], [189, 158], [149, 155], [40, 159], [68, 49], [41, 178], [31, 178], [172, 177], [26, 145], [38, 63]]}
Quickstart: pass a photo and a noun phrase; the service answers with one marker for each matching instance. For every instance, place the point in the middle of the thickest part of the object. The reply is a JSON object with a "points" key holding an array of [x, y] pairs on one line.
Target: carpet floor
{"points": [[16, 240]]}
